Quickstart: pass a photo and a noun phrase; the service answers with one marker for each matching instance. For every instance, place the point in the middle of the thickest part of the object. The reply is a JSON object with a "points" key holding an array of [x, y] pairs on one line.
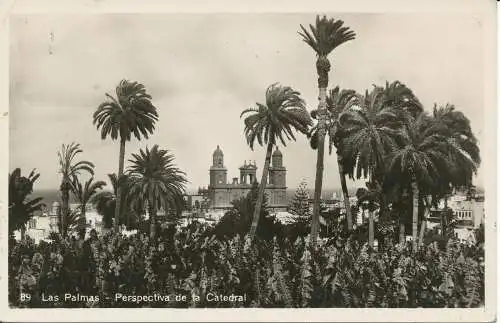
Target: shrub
{"points": [[338, 272], [238, 220]]}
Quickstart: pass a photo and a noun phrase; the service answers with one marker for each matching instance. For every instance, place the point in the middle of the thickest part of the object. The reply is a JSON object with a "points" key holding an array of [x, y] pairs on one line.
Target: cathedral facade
{"points": [[221, 192]]}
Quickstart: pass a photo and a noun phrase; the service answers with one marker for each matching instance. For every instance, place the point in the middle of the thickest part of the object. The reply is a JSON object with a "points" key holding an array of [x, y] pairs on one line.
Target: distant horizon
{"points": [[51, 193]]}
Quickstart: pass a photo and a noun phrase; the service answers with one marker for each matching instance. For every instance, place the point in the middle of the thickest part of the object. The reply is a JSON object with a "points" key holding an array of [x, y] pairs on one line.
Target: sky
{"points": [[202, 70]]}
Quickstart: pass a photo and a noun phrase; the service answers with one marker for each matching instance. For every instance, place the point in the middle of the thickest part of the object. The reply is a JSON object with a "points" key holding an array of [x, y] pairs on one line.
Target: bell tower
{"points": [[218, 172], [277, 172], [248, 173]]}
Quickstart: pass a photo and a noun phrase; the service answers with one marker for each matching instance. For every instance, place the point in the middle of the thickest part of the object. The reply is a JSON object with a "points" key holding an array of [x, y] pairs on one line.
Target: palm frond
{"points": [[130, 113], [326, 35], [283, 113]]}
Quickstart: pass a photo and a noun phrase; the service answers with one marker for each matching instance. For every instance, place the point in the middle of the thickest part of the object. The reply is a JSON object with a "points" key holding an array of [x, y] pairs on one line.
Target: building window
{"points": [[32, 224]]}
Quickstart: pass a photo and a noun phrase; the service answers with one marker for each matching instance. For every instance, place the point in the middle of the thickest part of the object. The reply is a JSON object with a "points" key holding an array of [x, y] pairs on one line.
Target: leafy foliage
{"points": [[83, 194], [157, 181], [21, 208], [75, 222], [132, 207], [283, 112], [338, 102], [369, 133], [275, 273], [238, 220], [104, 203], [326, 35], [69, 170], [299, 204], [131, 112]]}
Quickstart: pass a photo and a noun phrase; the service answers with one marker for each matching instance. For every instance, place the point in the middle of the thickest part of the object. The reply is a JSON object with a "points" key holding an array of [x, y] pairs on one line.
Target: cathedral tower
{"points": [[277, 172], [248, 173], [218, 172]]}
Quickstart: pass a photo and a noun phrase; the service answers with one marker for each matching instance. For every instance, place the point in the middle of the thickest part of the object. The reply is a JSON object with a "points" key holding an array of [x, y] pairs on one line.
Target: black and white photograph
{"points": [[314, 159]]}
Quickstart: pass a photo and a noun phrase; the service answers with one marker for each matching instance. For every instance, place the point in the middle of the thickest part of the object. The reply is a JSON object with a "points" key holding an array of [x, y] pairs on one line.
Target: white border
{"points": [[485, 8]]}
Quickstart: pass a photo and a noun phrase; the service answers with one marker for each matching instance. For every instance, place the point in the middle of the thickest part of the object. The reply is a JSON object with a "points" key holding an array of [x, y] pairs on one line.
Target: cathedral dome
{"points": [[218, 152], [277, 152]]}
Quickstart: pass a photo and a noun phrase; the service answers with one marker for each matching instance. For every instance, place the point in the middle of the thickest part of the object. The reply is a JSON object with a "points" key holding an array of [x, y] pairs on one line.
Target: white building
{"points": [[93, 221], [39, 227], [470, 212], [286, 217]]}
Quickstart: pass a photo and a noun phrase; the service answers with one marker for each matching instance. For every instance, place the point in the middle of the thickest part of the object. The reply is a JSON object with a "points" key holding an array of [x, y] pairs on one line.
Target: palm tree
{"points": [[402, 99], [283, 112], [369, 199], [323, 38], [21, 209], [420, 162], [155, 178], [337, 102], [463, 151], [84, 193], [455, 128], [131, 112], [69, 169], [105, 203], [369, 133], [75, 222]]}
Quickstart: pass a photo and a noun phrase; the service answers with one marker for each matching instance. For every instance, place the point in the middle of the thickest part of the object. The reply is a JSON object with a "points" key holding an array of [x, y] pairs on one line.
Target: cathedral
{"points": [[221, 193]]}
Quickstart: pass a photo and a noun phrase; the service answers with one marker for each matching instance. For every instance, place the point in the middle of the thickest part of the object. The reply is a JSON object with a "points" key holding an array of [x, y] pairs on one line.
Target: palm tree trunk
{"points": [[260, 197], [318, 184], [442, 214], [322, 68], [345, 193], [441, 221], [152, 220], [401, 231], [23, 232], [415, 194], [422, 230], [64, 206], [119, 188], [371, 231], [83, 220]]}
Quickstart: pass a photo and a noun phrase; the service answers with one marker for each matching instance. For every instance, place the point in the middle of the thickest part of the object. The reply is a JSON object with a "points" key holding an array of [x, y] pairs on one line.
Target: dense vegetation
{"points": [[337, 272]]}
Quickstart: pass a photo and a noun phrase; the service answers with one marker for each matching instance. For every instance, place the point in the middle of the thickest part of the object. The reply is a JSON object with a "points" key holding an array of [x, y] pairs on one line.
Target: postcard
{"points": [[230, 161]]}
